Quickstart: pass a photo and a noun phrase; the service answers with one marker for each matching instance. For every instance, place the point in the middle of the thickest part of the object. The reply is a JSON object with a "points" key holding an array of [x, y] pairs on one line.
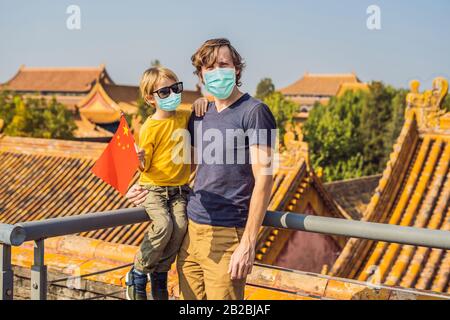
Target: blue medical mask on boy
{"points": [[171, 103], [220, 82]]}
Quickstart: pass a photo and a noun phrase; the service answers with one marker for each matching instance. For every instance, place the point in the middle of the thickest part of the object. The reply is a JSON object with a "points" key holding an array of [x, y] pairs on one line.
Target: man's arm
{"points": [[242, 260]]}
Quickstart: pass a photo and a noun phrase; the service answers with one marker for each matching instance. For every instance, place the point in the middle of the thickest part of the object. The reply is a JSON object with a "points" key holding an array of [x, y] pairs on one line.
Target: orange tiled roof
{"points": [[319, 84], [46, 178], [89, 130], [413, 191], [69, 80]]}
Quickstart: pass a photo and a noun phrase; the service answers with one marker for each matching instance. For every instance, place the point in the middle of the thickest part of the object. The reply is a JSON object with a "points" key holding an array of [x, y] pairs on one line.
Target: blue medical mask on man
{"points": [[220, 82], [171, 103]]}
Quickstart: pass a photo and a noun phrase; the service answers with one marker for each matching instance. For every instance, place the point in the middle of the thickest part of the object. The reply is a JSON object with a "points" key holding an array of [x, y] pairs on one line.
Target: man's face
{"points": [[224, 60]]}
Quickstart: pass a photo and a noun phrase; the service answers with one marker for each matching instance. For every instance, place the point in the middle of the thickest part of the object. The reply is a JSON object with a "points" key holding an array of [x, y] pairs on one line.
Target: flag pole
{"points": [[136, 147]]}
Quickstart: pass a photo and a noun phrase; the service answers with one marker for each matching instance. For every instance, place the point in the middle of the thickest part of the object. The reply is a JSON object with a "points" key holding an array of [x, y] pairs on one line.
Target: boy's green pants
{"points": [[166, 207]]}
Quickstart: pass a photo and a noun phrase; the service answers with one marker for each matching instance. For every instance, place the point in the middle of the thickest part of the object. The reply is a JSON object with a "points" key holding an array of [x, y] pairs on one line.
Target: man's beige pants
{"points": [[203, 261]]}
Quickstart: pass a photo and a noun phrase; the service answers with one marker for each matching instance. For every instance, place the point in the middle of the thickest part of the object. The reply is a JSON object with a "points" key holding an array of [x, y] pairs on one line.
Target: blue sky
{"points": [[279, 39]]}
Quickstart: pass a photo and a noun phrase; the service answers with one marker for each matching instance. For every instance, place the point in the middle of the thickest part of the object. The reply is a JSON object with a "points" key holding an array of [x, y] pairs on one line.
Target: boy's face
{"points": [[162, 83], [224, 60]]}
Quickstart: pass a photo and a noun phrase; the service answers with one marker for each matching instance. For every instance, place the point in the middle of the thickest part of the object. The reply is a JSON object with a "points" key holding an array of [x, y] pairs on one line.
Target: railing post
{"points": [[39, 273], [6, 275]]}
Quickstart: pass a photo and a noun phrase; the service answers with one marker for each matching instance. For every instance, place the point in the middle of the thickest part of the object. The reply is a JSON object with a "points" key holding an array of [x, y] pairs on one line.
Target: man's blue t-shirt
{"points": [[224, 182]]}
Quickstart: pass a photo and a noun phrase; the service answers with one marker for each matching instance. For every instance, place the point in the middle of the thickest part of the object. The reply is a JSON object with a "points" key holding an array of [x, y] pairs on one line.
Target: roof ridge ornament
{"points": [[427, 106], [295, 145]]}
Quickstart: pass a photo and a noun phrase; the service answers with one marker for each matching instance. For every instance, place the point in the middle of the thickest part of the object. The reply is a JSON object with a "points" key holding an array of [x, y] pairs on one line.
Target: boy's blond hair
{"points": [[151, 77]]}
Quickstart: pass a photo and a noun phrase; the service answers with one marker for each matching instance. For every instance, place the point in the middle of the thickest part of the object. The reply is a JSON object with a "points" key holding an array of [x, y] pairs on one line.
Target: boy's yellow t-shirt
{"points": [[161, 140]]}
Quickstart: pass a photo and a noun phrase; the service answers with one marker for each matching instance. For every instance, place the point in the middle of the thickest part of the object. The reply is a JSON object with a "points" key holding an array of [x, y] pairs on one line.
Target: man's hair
{"points": [[206, 56], [151, 77]]}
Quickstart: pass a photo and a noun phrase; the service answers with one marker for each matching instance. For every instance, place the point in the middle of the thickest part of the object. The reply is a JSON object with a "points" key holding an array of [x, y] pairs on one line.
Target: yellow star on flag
{"points": [[125, 130]]}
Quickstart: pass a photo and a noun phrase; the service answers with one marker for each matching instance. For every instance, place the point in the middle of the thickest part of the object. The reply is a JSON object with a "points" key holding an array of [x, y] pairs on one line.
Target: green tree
{"points": [[332, 132], [265, 87], [353, 135], [395, 124], [375, 117], [58, 121], [155, 63], [446, 103], [282, 109], [37, 118], [7, 106]]}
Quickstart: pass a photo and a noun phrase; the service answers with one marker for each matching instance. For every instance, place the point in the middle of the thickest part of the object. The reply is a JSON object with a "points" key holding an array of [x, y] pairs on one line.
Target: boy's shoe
{"points": [[136, 285], [158, 282]]}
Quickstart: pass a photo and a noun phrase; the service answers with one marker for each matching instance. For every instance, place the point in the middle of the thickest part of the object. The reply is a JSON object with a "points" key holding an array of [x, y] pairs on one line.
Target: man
{"points": [[233, 180]]}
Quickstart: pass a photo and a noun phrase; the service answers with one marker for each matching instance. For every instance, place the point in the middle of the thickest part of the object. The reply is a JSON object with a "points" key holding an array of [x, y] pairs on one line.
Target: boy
{"points": [[166, 181]]}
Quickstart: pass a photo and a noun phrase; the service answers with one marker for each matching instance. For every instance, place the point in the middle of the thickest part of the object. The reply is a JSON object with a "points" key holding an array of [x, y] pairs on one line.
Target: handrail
{"points": [[11, 235], [421, 237], [55, 227], [37, 230]]}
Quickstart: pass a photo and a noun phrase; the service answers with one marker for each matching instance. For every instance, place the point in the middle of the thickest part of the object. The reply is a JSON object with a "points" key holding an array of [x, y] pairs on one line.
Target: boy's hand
{"points": [[141, 157], [200, 107]]}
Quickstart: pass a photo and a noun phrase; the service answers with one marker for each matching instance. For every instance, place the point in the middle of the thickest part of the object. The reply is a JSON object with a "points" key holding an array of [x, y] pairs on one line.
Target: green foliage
{"points": [[7, 106], [155, 63], [265, 87], [394, 124], [376, 119], [282, 109], [446, 103], [31, 117], [333, 135], [353, 135]]}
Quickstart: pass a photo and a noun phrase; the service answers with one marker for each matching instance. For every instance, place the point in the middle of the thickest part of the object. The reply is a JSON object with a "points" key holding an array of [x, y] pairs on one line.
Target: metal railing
{"points": [[38, 231]]}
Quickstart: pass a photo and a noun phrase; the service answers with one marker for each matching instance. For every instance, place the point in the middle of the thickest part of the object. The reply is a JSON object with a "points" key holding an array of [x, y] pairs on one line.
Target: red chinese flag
{"points": [[119, 162]]}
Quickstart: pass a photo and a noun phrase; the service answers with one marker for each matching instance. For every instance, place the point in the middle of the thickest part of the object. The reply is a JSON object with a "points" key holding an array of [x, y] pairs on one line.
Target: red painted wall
{"points": [[307, 251]]}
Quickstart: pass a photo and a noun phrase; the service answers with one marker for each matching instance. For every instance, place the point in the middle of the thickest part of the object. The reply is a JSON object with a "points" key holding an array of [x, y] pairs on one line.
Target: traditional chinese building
{"points": [[313, 88], [69, 85], [413, 191]]}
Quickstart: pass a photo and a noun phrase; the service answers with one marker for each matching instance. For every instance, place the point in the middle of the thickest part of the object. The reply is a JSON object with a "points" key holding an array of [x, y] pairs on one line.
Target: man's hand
{"points": [[137, 195], [200, 107], [242, 259]]}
